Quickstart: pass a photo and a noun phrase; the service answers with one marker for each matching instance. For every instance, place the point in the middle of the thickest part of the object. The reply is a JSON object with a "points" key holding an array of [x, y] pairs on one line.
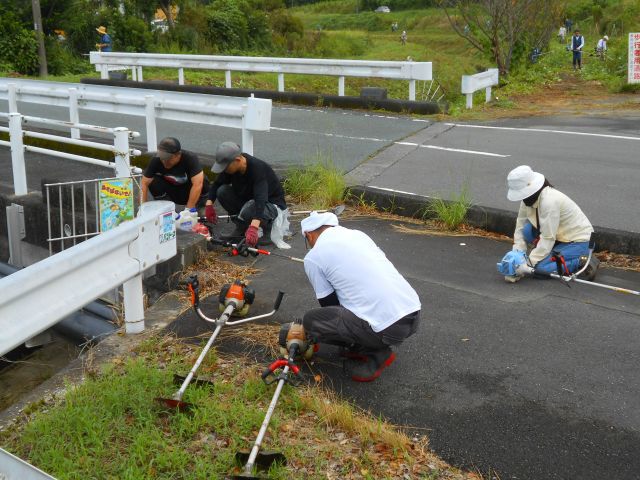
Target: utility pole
{"points": [[37, 26]]}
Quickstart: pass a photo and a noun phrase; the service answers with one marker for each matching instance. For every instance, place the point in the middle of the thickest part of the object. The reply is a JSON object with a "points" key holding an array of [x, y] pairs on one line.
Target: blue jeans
{"points": [[571, 252]]}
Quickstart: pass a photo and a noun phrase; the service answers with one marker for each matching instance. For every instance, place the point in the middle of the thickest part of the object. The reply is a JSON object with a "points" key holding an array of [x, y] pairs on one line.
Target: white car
{"points": [[383, 9]]}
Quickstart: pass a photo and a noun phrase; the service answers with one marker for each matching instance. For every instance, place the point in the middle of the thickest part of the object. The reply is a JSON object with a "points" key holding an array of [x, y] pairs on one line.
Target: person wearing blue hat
{"points": [[366, 306]]}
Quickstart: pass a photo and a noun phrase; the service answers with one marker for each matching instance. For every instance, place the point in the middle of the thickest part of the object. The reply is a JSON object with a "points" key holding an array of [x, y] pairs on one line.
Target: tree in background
{"points": [[504, 29]]}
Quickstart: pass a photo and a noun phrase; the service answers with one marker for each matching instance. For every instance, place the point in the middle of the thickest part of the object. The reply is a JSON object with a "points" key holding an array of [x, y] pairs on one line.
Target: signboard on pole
{"points": [[634, 58], [115, 202]]}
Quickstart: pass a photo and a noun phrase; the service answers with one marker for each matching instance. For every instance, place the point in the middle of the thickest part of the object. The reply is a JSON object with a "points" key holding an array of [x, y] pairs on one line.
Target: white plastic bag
{"points": [[280, 229]]}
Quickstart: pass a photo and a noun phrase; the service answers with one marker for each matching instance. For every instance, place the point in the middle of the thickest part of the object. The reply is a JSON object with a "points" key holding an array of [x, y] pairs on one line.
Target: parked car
{"points": [[383, 9]]}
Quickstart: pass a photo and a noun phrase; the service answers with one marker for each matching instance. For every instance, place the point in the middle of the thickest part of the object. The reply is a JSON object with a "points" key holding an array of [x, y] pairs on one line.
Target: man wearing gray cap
{"points": [[248, 189], [174, 174], [366, 305]]}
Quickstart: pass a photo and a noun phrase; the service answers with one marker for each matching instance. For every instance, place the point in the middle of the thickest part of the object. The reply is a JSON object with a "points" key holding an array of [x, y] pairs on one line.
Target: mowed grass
{"points": [[110, 427]]}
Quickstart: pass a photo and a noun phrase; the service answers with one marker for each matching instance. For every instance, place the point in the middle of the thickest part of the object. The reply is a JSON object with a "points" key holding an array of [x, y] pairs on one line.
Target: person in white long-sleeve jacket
{"points": [[549, 221]]}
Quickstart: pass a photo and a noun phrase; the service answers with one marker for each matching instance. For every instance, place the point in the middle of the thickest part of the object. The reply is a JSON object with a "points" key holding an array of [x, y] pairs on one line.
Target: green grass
{"points": [[319, 184], [451, 212]]}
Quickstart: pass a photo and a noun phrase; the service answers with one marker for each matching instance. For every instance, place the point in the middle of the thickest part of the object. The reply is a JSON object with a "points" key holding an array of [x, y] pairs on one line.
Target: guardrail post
{"points": [[281, 82], [247, 135], [469, 100], [181, 76], [341, 86], [227, 79], [104, 72], [150, 110], [74, 116], [134, 74], [140, 79], [133, 305], [13, 97], [17, 154], [122, 156], [412, 90], [487, 97]]}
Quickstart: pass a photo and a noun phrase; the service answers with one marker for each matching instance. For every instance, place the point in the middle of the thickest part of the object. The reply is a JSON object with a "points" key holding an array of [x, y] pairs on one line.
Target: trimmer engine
{"points": [[293, 338], [239, 294]]}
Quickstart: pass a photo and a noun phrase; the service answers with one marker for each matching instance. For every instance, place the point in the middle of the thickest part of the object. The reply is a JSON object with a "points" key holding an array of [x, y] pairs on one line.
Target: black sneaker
{"points": [[236, 234]]}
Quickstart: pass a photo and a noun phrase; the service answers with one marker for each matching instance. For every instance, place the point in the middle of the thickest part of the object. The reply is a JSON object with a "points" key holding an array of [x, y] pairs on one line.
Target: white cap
{"points": [[605, 37], [523, 182], [316, 220]]}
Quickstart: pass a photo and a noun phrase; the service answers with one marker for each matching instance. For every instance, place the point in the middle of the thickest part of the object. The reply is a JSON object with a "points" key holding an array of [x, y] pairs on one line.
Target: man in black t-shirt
{"points": [[247, 188], [175, 174]]}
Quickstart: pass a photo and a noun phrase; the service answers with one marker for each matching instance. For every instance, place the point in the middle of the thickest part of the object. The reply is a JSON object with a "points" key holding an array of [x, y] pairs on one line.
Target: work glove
{"points": [[524, 269], [210, 214], [251, 236]]}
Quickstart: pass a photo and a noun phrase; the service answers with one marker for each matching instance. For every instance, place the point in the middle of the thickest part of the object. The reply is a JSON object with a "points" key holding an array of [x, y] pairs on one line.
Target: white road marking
{"points": [[336, 135], [543, 130], [448, 149], [398, 191]]}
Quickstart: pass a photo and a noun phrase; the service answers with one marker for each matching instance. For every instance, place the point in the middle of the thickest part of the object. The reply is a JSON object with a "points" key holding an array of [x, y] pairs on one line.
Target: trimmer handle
{"points": [[193, 285], [269, 376], [276, 305]]}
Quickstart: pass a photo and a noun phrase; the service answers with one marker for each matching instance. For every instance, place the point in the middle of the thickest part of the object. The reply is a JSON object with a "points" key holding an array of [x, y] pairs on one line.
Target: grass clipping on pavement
{"points": [[110, 427]]}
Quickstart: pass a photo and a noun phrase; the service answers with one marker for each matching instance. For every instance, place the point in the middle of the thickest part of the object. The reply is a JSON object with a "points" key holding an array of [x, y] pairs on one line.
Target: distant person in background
{"points": [[562, 34], [601, 48], [403, 37], [104, 44], [577, 44], [568, 24]]}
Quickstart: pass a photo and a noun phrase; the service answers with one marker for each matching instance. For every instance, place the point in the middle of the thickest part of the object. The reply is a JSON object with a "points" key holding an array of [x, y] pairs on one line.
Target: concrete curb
{"points": [[488, 218], [296, 98]]}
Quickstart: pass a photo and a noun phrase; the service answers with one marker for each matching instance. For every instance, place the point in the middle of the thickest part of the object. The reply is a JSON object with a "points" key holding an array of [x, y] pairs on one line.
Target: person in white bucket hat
{"points": [[366, 305], [548, 221]]}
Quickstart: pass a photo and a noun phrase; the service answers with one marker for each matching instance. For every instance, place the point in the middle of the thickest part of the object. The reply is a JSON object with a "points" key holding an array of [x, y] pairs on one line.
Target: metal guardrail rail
{"points": [[14, 468], [473, 83], [248, 114], [411, 71]]}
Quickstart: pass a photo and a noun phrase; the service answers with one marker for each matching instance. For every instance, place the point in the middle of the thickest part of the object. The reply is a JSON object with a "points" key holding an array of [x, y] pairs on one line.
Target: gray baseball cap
{"points": [[227, 152], [167, 148]]}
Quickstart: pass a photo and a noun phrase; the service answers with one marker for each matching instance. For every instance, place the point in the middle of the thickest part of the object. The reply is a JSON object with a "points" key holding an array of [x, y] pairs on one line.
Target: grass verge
{"points": [[319, 184], [450, 213], [110, 427]]}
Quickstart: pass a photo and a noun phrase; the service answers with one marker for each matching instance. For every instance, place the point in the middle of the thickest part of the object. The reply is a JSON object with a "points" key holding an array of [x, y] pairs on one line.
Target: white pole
{"points": [[140, 74], [134, 74], [227, 78], [104, 72], [17, 154], [133, 305], [341, 86], [469, 100], [121, 145], [13, 98], [488, 95], [74, 116], [150, 110], [412, 89], [181, 76], [281, 82], [247, 135]]}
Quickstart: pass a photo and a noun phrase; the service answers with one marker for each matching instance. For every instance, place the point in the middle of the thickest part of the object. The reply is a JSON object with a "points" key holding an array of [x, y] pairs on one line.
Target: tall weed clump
{"points": [[319, 185]]}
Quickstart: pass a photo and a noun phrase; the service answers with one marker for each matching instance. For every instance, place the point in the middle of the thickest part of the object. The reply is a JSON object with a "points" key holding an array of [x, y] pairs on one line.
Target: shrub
{"points": [[18, 46]]}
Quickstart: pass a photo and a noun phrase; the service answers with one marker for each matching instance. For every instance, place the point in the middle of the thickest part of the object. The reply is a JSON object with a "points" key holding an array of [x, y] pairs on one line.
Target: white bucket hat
{"points": [[316, 220], [523, 182]]}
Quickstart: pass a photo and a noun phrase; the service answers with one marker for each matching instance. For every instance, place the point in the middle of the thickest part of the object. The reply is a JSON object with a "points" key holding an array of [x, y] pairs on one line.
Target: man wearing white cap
{"points": [[366, 305], [549, 221], [601, 47]]}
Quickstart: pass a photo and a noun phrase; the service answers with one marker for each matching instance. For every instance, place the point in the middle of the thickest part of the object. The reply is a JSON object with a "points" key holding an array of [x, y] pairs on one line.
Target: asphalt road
{"points": [[532, 380], [592, 159]]}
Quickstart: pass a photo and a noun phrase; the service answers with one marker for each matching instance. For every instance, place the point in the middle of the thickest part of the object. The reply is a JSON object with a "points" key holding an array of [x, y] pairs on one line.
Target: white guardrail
{"points": [[14, 468], [120, 148], [248, 114], [34, 298], [410, 71], [473, 83]]}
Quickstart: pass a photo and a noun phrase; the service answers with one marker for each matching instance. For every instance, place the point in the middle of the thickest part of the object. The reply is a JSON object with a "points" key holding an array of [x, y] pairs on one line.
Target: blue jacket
{"points": [[106, 39]]}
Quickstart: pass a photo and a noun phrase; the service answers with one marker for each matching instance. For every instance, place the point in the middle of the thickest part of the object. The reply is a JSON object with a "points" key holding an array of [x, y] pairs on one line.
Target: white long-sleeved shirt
{"points": [[602, 45], [561, 220]]}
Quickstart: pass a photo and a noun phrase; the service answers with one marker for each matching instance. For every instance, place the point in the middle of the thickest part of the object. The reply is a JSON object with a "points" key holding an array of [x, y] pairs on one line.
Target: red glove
{"points": [[251, 236], [210, 214]]}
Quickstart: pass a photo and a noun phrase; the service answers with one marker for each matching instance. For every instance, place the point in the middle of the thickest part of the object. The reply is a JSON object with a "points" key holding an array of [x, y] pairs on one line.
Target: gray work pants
{"points": [[336, 325]]}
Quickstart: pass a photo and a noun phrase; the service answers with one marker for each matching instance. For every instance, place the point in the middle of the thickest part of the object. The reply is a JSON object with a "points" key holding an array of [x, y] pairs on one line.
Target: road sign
{"points": [[634, 58]]}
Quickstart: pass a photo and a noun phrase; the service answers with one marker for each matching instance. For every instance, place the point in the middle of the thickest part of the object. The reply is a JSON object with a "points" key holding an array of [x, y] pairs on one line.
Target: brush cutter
{"points": [[243, 250], [234, 300], [295, 344], [337, 211], [565, 277]]}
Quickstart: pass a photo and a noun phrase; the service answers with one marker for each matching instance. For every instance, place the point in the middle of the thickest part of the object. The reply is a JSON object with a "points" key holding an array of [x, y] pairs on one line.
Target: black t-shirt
{"points": [[180, 174], [259, 183]]}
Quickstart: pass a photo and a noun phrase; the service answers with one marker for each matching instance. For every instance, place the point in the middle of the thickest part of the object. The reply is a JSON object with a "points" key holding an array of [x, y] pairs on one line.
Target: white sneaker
{"points": [[512, 278]]}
